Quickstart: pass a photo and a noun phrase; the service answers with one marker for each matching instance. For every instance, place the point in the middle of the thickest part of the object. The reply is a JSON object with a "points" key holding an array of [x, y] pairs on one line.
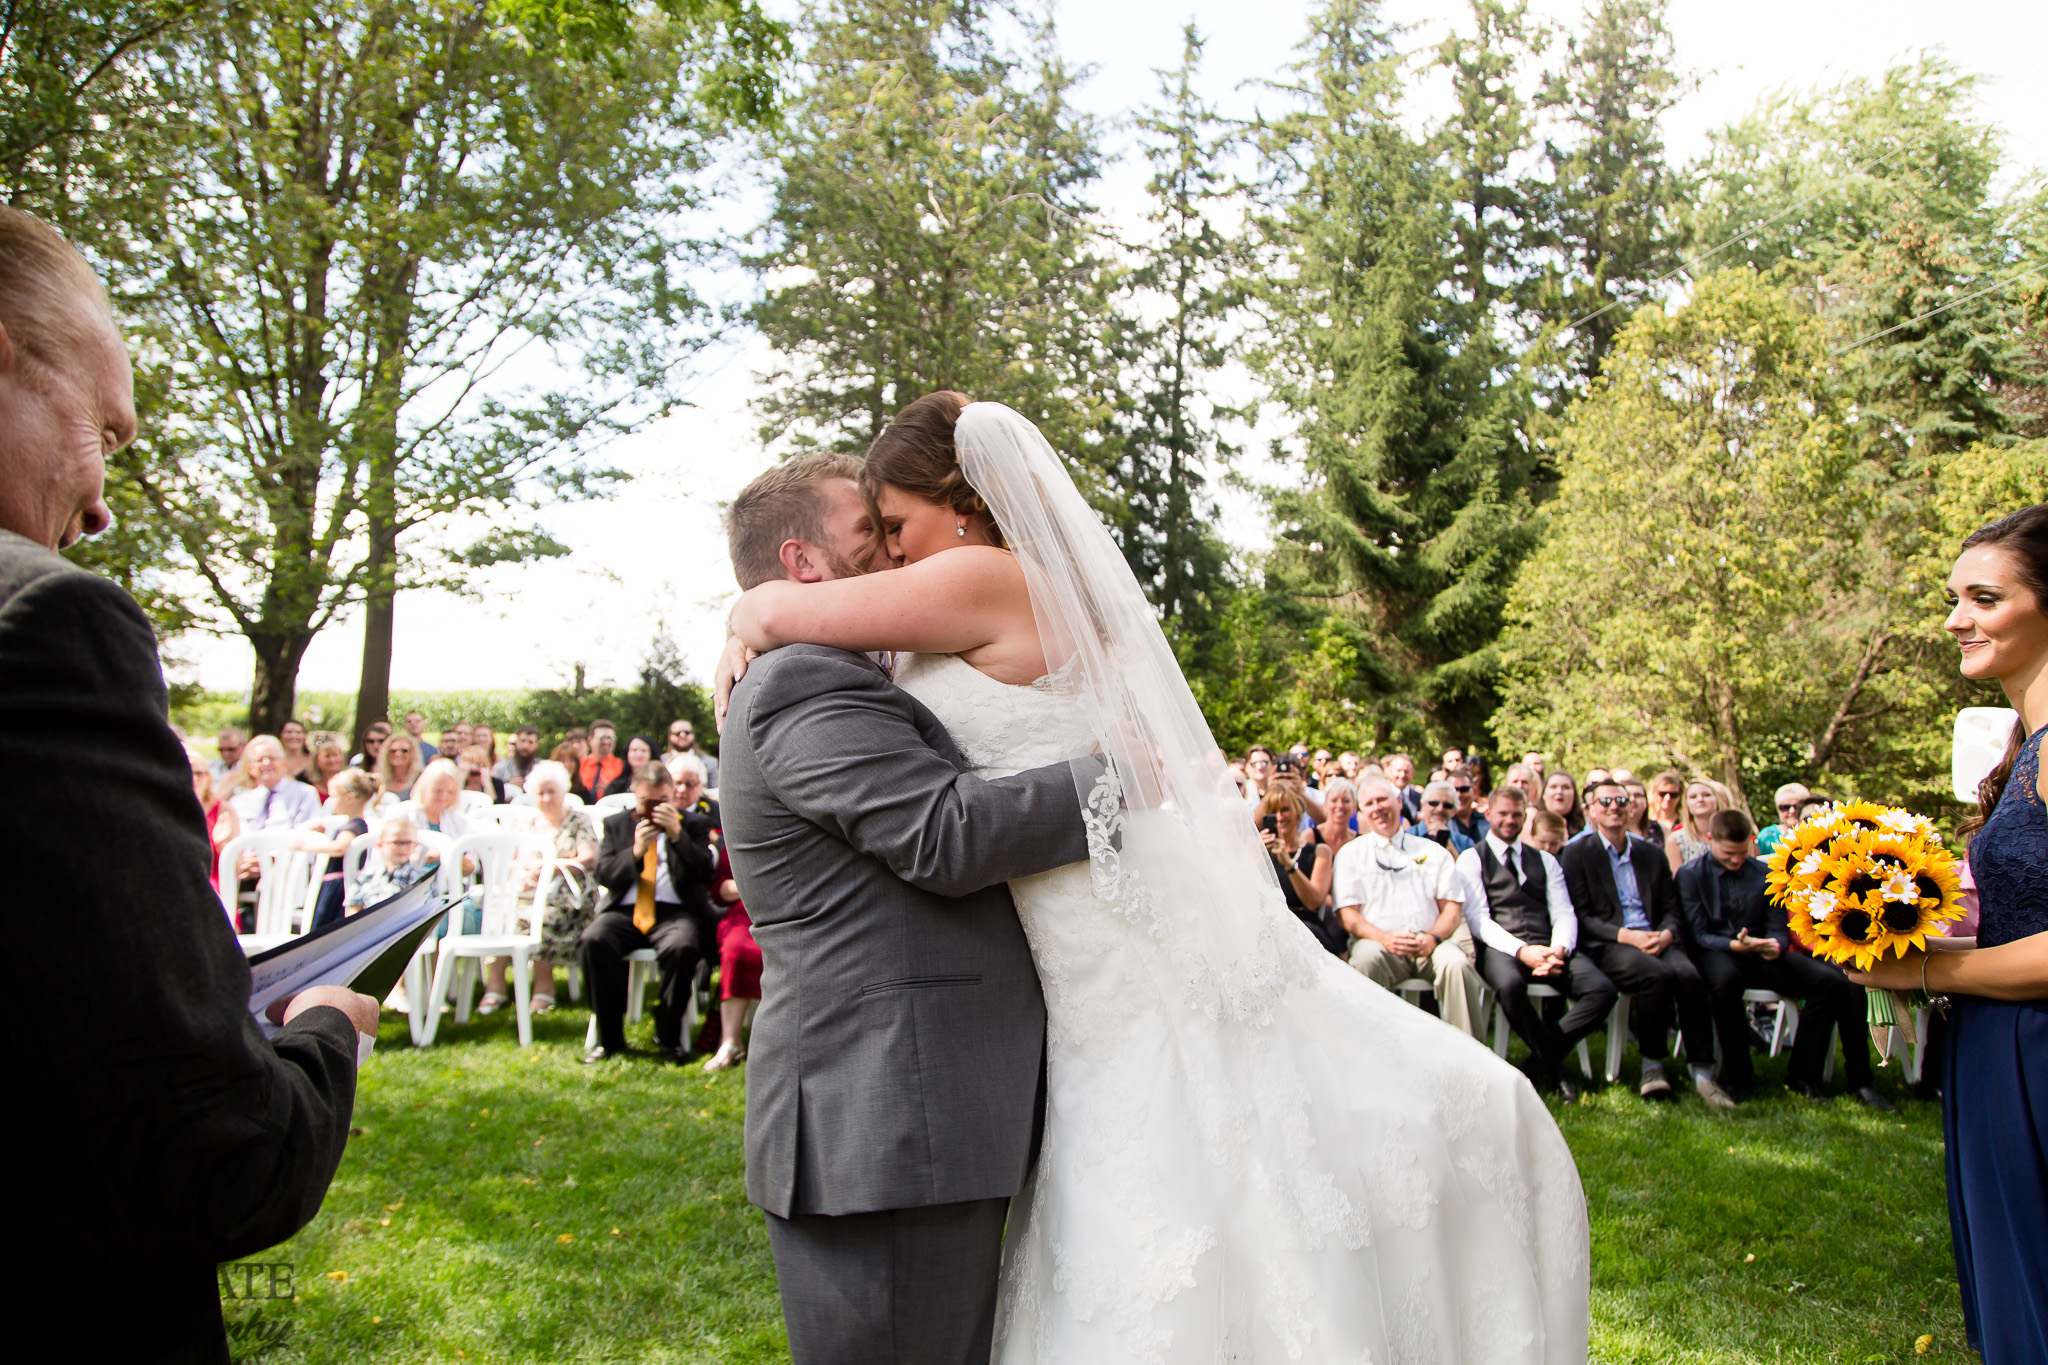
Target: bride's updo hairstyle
{"points": [[915, 453], [2023, 535]]}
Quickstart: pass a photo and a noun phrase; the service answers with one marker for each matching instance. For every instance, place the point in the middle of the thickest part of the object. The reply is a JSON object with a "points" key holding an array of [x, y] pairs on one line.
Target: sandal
{"points": [[726, 1057], [491, 1003], [543, 1003]]}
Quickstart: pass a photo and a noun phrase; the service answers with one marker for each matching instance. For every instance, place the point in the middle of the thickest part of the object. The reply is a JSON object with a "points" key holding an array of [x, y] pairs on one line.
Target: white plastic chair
{"points": [[460, 955], [639, 963], [520, 797], [613, 804], [472, 804], [283, 874], [1539, 991]]}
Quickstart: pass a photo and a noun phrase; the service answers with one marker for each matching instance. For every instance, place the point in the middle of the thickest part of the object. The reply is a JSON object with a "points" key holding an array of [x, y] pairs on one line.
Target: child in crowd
{"points": [[400, 862], [1547, 831]]}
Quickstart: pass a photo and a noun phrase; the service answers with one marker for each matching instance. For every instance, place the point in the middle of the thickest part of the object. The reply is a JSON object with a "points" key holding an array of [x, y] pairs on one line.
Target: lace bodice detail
{"points": [[2009, 856], [1001, 729]]}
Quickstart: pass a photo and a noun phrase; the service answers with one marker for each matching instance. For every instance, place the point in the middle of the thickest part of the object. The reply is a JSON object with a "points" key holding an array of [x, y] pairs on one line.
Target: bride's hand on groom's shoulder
{"points": [[732, 666]]}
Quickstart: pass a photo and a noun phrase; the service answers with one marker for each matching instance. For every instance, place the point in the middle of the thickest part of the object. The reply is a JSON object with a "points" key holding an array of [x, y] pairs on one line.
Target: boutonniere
{"points": [[1419, 857]]}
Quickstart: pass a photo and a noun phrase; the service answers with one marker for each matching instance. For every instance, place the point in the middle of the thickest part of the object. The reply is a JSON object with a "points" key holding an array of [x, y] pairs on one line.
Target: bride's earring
{"points": [[960, 530]]}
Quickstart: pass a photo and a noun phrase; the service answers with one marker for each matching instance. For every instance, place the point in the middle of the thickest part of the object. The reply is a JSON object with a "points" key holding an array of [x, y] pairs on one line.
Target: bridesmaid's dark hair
{"points": [[915, 453], [2023, 535]]}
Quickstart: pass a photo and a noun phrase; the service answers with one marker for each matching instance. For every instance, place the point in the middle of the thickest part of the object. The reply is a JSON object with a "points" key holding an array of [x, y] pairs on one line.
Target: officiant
{"points": [[154, 1131]]}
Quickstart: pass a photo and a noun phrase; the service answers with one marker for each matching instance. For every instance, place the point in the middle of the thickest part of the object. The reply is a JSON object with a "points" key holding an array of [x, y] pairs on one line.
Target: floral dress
{"points": [[572, 896]]}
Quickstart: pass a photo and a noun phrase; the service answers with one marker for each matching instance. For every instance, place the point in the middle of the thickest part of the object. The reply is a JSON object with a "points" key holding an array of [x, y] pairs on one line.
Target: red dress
{"points": [[739, 957]]}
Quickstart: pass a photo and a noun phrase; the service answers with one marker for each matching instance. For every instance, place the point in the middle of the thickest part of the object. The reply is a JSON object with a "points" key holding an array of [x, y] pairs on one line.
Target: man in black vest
{"points": [[1522, 921], [1740, 940], [1629, 922]]}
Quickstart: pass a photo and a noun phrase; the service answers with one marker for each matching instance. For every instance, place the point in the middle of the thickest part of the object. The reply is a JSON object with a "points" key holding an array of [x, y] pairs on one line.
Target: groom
{"points": [[893, 1097]]}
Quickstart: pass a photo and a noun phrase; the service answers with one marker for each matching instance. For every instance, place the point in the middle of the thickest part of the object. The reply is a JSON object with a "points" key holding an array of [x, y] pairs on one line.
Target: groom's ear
{"points": [[800, 562]]}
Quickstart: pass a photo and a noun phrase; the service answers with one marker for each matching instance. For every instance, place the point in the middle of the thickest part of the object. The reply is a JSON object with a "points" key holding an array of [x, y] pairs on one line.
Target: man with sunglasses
{"points": [[1788, 800], [1467, 818], [1399, 898], [1629, 922], [682, 743], [1439, 799]]}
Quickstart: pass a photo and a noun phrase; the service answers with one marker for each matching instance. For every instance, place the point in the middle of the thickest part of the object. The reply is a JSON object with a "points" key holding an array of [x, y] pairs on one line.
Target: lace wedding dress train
{"points": [[1333, 1177]]}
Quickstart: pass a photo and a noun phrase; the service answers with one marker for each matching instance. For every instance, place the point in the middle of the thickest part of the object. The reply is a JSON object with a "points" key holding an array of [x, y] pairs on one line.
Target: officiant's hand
{"points": [[732, 666], [360, 1009]]}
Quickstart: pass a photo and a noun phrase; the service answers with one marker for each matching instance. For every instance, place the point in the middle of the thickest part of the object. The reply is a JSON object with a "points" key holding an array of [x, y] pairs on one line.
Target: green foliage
{"points": [[1713, 589], [928, 231], [1416, 505]]}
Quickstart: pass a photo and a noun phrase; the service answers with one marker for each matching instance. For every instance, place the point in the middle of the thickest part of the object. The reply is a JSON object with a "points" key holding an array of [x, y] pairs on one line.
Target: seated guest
{"points": [[601, 768], [329, 758], [229, 744], [639, 753], [682, 740], [373, 746], [512, 769], [437, 800], [1787, 803], [570, 836], [1544, 831], [1740, 941], [274, 801], [352, 793], [1521, 917], [1523, 776], [1690, 840], [298, 758], [1399, 897], [399, 767], [156, 1131], [1340, 809], [1639, 822], [656, 861], [571, 760], [1348, 763], [1439, 799], [1629, 925], [1561, 798], [222, 824], [1282, 816], [475, 765], [416, 726], [400, 859], [1398, 769], [1467, 819], [454, 740]]}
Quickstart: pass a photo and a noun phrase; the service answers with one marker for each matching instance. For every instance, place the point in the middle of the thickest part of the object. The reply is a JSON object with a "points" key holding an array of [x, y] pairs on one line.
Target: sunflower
{"points": [[1863, 815], [1795, 864]]}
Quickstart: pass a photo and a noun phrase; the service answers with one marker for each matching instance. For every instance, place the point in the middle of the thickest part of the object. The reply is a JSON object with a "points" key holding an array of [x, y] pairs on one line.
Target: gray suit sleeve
{"points": [[840, 746]]}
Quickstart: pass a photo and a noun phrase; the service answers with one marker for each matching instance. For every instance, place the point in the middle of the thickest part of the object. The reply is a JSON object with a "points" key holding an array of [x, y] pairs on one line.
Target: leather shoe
{"points": [[1710, 1091], [674, 1056], [1873, 1100], [599, 1054], [1656, 1088]]}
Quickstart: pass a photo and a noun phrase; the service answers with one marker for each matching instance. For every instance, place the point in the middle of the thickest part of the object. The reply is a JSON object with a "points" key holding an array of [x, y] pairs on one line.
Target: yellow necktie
{"points": [[643, 903]]}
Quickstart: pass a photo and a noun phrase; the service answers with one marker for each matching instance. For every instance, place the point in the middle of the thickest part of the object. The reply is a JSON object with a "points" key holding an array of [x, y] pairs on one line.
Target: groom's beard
{"points": [[842, 567]]}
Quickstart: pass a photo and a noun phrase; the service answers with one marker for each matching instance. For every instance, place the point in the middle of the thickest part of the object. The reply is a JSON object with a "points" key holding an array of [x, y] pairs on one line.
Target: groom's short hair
{"points": [[781, 504]]}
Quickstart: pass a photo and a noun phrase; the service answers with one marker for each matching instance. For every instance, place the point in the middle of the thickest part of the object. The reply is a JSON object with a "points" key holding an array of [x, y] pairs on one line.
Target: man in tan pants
{"points": [[1400, 899]]}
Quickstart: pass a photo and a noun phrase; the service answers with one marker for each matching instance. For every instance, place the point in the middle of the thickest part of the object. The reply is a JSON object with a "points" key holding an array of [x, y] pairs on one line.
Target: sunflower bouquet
{"points": [[1859, 881]]}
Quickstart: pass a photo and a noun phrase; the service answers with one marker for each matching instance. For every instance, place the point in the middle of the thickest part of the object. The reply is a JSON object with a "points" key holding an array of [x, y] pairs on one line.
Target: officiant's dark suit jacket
{"points": [[151, 1130], [895, 1060]]}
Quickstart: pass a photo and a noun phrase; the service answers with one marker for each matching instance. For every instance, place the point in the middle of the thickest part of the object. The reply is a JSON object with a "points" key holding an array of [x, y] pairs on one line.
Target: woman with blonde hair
{"points": [[1303, 863], [1704, 798], [329, 758], [398, 767]]}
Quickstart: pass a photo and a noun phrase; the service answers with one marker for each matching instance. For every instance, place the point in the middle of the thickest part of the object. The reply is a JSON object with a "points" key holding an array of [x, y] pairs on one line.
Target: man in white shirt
{"points": [[276, 801], [1400, 899], [1521, 915]]}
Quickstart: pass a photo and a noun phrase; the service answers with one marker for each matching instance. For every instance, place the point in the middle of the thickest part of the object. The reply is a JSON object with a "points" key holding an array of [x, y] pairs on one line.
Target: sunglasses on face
{"points": [[1461, 786], [1788, 805], [1610, 800], [1440, 805]]}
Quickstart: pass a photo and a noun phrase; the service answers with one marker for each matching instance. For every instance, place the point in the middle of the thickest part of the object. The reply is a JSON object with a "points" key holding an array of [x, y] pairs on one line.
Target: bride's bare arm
{"points": [[957, 602]]}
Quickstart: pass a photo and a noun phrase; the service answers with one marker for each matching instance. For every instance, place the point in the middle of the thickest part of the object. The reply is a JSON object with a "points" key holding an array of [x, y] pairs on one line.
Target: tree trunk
{"points": [[373, 687], [273, 692], [1731, 744]]}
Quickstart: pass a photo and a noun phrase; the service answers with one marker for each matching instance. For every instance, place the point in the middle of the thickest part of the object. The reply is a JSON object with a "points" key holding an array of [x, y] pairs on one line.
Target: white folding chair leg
{"points": [[576, 982], [1585, 1060], [590, 1034], [1827, 1070], [522, 995], [465, 983], [418, 974], [444, 977], [1787, 1027], [636, 989], [1500, 1031], [1617, 1037]]}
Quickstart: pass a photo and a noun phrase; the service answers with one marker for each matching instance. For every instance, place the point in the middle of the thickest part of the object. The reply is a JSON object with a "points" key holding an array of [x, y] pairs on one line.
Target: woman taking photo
{"points": [[1995, 1102], [1298, 861], [1561, 798]]}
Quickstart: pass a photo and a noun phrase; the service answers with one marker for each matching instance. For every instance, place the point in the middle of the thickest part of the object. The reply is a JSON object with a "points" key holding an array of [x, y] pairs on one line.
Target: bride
{"points": [[1251, 1152]]}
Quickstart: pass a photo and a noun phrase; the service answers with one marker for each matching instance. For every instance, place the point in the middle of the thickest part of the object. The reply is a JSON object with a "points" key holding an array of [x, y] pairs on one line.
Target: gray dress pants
{"points": [[897, 1287]]}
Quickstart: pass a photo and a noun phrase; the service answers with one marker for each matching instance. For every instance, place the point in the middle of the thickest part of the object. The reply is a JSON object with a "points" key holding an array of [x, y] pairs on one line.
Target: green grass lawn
{"points": [[500, 1204]]}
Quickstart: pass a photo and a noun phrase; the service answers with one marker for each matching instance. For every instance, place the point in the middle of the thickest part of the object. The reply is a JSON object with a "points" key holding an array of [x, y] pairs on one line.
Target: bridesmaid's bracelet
{"points": [[1940, 1002]]}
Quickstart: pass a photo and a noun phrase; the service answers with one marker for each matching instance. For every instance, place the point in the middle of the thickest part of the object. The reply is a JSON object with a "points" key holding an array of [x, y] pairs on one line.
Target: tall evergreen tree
{"points": [[1614, 197], [1417, 504], [929, 230], [1190, 276]]}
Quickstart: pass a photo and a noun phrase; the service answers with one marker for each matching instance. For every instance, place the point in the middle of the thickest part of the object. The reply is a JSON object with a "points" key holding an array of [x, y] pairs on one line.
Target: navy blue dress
{"points": [[1995, 1101]]}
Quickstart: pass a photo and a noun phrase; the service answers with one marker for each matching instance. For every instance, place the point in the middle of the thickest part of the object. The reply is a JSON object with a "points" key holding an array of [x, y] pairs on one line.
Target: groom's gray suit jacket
{"points": [[895, 1059]]}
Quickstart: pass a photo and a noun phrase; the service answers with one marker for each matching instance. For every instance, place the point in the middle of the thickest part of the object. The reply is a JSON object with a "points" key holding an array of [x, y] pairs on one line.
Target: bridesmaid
{"points": [[1995, 1100]]}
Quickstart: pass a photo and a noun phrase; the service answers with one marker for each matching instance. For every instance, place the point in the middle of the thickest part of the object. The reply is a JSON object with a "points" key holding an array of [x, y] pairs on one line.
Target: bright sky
{"points": [[656, 554]]}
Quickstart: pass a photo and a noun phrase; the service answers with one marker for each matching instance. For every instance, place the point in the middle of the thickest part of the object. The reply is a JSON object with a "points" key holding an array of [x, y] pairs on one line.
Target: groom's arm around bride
{"points": [[893, 1084]]}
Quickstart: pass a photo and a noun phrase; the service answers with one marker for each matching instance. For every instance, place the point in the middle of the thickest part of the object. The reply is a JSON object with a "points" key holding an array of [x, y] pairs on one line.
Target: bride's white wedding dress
{"points": [[1336, 1178]]}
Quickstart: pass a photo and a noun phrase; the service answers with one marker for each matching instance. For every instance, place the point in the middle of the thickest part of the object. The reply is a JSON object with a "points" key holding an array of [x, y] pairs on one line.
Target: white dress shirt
{"points": [[288, 805], [1396, 883], [1564, 924]]}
